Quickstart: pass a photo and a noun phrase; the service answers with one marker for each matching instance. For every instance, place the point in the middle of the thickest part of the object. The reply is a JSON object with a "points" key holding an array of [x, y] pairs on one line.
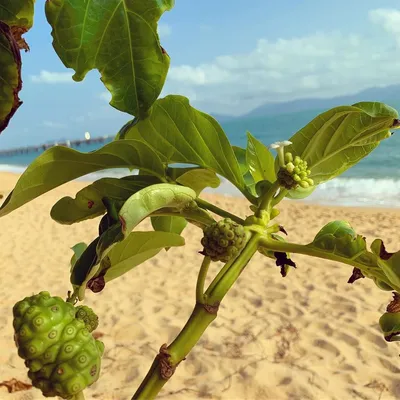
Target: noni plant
{"points": [[178, 151]]}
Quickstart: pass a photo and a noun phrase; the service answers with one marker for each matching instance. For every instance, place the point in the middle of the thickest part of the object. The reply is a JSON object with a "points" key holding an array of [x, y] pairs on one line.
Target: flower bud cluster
{"points": [[294, 173]]}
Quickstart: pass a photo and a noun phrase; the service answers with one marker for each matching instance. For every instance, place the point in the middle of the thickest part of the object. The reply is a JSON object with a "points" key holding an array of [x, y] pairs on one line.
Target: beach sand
{"points": [[310, 335]]}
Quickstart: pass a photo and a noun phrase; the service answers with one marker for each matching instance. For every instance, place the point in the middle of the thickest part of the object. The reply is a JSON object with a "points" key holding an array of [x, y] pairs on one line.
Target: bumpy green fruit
{"points": [[223, 240], [62, 356], [87, 315]]}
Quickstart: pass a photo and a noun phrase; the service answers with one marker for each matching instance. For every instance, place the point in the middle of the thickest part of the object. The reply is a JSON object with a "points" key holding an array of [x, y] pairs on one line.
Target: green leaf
{"points": [[339, 138], [150, 199], [390, 325], [84, 263], [141, 205], [169, 224], [10, 75], [389, 263], [88, 201], [339, 239], [120, 40], [182, 134], [259, 160], [240, 154], [300, 193], [59, 165], [136, 249], [17, 13], [78, 250], [198, 179]]}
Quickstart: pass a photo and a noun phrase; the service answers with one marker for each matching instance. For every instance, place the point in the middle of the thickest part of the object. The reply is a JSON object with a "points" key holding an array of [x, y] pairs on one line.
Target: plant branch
{"points": [[287, 247], [202, 316], [219, 211], [220, 274], [201, 280], [267, 199], [279, 197]]}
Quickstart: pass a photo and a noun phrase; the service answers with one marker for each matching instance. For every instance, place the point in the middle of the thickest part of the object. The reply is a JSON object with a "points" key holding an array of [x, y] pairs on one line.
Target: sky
{"points": [[227, 56]]}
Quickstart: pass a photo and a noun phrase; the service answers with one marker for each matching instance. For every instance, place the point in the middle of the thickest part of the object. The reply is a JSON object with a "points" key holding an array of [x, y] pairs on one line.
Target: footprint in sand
{"points": [[326, 346], [350, 340], [324, 328], [377, 340], [388, 365]]}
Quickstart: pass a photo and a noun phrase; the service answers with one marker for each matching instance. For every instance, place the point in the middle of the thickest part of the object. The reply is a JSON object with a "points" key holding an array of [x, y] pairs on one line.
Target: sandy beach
{"points": [[310, 335]]}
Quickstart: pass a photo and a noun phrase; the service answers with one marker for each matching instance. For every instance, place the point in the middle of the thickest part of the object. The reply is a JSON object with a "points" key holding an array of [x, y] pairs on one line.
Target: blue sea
{"points": [[374, 182]]}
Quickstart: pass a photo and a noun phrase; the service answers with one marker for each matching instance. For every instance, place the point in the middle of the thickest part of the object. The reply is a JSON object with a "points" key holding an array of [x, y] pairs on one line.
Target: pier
{"points": [[66, 143]]}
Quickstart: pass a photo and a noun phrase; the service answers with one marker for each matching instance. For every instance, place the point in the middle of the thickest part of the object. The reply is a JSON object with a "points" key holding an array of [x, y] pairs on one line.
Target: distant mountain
{"points": [[222, 118], [383, 94]]}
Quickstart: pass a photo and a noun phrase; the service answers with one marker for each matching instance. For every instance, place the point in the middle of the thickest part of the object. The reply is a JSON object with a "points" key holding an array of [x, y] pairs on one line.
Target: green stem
{"points": [[279, 197], [287, 247], [220, 274], [267, 199], [197, 323], [199, 320], [219, 211], [79, 396], [72, 297], [229, 278], [201, 279]]}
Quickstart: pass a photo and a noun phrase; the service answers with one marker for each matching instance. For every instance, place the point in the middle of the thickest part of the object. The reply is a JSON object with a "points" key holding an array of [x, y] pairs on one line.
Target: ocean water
{"points": [[373, 182]]}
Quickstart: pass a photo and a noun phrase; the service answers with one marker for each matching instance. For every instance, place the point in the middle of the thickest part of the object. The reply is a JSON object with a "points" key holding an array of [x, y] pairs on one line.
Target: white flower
{"points": [[279, 146]]}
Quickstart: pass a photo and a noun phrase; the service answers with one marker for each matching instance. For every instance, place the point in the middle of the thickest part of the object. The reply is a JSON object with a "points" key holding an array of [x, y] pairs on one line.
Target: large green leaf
{"points": [[240, 154], [119, 38], [141, 205], [182, 134], [250, 183], [169, 224], [59, 165], [136, 249], [198, 179], [10, 75], [78, 250], [260, 160], [88, 201], [340, 239], [17, 13], [389, 263], [339, 138]]}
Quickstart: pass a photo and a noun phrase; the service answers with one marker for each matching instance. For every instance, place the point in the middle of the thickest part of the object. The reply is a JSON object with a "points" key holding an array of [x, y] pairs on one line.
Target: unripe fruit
{"points": [[62, 356], [223, 240], [87, 315]]}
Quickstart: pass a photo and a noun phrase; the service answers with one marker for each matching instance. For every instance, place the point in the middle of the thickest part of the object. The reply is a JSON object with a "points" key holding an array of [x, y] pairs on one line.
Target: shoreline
{"points": [[12, 177]]}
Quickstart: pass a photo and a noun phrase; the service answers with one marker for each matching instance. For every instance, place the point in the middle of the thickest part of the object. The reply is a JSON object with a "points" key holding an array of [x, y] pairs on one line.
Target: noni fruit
{"points": [[223, 240], [62, 355]]}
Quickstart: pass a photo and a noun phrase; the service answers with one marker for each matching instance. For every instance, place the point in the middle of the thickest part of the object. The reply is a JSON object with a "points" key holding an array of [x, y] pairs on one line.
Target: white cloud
{"points": [[389, 19], [164, 30], [52, 77], [54, 125], [319, 65]]}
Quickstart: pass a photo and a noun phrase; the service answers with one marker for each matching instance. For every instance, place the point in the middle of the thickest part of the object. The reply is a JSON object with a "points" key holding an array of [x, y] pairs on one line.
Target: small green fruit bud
{"points": [[288, 157], [290, 167], [304, 184]]}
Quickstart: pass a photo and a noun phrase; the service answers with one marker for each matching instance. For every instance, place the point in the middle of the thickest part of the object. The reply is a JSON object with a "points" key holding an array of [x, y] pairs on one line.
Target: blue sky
{"points": [[228, 57]]}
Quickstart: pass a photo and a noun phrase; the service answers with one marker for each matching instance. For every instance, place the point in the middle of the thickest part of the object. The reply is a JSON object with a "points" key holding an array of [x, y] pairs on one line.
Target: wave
{"points": [[359, 192]]}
